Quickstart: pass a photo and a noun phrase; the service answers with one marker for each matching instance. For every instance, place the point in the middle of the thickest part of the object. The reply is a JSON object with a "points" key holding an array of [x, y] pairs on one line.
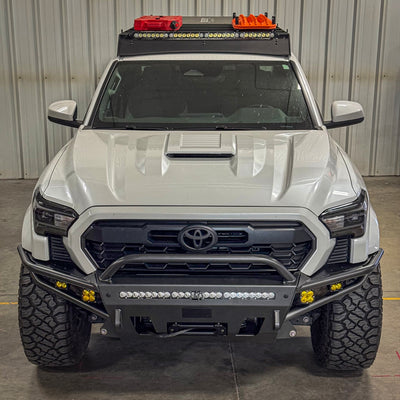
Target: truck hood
{"points": [[161, 168]]}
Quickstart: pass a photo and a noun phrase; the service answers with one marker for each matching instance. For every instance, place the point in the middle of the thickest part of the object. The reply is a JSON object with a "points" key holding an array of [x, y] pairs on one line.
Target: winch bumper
{"points": [[174, 307]]}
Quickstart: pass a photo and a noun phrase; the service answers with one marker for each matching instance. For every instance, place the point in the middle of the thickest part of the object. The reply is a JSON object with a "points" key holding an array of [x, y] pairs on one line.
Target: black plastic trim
{"points": [[73, 124], [332, 125], [107, 275], [129, 47]]}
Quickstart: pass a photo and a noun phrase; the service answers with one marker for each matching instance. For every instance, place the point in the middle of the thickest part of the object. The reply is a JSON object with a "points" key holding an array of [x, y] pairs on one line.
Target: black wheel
{"points": [[346, 335], [54, 333]]}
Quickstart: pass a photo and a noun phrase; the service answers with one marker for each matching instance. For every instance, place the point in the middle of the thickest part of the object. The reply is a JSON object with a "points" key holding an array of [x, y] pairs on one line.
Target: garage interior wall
{"points": [[57, 49]]}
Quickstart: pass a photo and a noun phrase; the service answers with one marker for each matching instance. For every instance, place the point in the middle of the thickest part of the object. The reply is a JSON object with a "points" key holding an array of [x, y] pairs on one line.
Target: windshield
{"points": [[202, 94]]}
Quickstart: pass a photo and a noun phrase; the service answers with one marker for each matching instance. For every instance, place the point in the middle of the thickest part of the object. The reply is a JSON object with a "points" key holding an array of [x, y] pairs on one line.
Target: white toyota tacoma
{"points": [[202, 195]]}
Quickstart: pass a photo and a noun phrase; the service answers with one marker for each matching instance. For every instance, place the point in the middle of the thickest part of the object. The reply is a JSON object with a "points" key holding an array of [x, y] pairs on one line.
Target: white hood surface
{"points": [[216, 168]]}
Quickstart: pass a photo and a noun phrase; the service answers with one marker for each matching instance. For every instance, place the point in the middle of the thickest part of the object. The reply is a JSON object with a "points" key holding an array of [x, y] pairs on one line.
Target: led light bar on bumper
{"points": [[197, 295], [349, 219], [51, 218]]}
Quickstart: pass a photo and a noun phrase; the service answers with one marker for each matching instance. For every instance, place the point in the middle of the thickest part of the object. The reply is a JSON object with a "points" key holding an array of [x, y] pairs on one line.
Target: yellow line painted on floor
{"points": [[391, 298]]}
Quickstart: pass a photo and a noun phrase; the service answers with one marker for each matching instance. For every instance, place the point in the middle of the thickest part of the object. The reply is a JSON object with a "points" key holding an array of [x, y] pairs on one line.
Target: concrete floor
{"points": [[191, 369]]}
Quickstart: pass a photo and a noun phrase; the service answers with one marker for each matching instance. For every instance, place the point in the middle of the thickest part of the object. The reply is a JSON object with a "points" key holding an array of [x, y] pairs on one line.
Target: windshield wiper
{"points": [[232, 128], [146, 128]]}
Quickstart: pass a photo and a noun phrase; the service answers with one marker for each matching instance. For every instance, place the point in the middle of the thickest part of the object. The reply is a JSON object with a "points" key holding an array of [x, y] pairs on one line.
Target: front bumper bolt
{"points": [[292, 333], [103, 331]]}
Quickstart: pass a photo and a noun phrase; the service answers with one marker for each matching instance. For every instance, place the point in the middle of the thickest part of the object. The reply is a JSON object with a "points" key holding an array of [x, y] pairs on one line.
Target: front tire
{"points": [[346, 335], [54, 333]]}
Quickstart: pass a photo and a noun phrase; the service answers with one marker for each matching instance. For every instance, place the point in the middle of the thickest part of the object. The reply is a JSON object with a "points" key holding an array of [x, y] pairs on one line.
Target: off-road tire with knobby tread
{"points": [[346, 335], [54, 332]]}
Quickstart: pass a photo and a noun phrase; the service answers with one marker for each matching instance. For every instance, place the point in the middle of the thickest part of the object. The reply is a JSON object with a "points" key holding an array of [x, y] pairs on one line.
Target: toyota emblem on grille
{"points": [[197, 238]]}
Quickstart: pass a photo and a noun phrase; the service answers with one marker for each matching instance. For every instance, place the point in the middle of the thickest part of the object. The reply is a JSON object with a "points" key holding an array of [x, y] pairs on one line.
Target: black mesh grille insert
{"points": [[288, 242], [58, 252], [340, 253]]}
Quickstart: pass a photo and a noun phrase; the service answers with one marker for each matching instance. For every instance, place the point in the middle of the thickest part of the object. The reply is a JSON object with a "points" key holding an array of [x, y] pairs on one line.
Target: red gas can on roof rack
{"points": [[158, 23], [252, 22]]}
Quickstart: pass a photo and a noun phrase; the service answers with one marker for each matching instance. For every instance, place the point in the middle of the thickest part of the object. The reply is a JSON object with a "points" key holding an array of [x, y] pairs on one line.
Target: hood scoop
{"points": [[201, 145]]}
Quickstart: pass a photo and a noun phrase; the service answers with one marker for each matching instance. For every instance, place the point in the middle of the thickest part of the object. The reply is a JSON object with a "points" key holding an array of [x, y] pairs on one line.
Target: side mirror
{"points": [[64, 113], [345, 113]]}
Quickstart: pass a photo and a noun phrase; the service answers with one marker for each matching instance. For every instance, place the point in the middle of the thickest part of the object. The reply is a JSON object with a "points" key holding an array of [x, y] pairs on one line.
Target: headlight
{"points": [[51, 218], [349, 219]]}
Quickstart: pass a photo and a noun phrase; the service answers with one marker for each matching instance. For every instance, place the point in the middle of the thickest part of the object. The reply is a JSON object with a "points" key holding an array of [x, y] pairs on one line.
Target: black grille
{"points": [[58, 252], [340, 253], [288, 242], [224, 236]]}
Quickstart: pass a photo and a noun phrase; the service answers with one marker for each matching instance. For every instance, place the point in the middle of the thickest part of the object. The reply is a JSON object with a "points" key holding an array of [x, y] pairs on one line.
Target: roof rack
{"points": [[176, 34]]}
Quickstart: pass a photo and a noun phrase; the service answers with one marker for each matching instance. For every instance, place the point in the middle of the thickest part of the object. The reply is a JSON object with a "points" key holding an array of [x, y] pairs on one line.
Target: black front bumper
{"points": [[125, 304]]}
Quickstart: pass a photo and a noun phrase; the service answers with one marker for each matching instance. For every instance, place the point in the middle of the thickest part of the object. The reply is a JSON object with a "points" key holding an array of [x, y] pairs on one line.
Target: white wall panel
{"points": [[364, 78], [289, 16], [53, 69], [10, 157], [155, 7], [209, 7], [103, 33], [182, 7], [29, 86], [313, 45], [54, 49], [386, 160], [262, 6], [79, 47], [237, 6], [126, 12], [339, 58]]}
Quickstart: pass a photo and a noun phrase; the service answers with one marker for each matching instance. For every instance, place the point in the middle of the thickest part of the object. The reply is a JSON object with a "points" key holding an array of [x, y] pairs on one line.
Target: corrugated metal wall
{"points": [[56, 49]]}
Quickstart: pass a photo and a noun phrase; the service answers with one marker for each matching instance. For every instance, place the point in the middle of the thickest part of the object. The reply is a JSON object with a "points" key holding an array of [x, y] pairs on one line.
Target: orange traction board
{"points": [[252, 22]]}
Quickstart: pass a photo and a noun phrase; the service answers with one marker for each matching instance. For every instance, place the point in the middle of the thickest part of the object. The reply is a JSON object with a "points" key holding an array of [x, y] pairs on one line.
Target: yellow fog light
{"points": [[307, 296], [61, 285], [335, 287], [88, 296]]}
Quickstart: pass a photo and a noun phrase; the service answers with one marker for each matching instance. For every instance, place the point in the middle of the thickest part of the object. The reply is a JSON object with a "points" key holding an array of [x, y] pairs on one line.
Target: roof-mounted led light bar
{"points": [[203, 35]]}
